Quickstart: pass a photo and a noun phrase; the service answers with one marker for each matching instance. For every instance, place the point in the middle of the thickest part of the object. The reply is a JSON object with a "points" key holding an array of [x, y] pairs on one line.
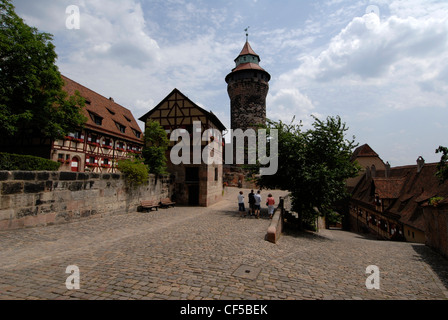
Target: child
{"points": [[241, 207], [270, 202]]}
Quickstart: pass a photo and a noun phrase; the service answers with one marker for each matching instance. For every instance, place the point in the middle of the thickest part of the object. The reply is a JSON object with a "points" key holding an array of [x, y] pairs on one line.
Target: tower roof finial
{"points": [[247, 33]]}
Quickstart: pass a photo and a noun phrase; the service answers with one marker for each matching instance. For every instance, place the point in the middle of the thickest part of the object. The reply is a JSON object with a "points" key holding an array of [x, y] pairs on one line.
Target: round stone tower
{"points": [[247, 86]]}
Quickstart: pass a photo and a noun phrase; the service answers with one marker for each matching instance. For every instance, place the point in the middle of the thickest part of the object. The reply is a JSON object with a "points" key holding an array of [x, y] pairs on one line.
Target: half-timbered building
{"points": [[195, 183], [391, 203], [111, 133]]}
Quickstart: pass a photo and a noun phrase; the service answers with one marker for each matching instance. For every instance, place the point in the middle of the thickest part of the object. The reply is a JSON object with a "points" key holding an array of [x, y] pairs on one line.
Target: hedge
{"points": [[9, 161]]}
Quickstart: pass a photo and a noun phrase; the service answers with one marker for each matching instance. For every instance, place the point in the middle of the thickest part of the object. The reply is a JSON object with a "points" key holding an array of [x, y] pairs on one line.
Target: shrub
{"points": [[9, 161], [135, 171], [434, 201]]}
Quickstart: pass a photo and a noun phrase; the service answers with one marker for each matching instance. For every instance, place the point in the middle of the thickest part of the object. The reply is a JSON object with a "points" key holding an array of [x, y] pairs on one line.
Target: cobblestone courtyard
{"points": [[210, 253]]}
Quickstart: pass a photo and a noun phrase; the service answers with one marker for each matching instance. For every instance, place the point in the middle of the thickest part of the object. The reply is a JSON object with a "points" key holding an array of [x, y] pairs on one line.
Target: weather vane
{"points": [[247, 33]]}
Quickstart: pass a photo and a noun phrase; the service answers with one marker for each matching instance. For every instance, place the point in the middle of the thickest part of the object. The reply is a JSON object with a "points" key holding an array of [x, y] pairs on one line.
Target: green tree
{"points": [[156, 144], [135, 171], [32, 101], [442, 166], [313, 165]]}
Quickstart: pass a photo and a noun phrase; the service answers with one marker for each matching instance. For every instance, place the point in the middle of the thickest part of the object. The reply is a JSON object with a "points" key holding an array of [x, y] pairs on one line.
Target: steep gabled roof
{"points": [[210, 115], [389, 188], [364, 151], [110, 112], [409, 189]]}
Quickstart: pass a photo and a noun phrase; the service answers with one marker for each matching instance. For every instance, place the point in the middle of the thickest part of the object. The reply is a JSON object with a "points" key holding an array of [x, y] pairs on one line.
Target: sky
{"points": [[380, 65]]}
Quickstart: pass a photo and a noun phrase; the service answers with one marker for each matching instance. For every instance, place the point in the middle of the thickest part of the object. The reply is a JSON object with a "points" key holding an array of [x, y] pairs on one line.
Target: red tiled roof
{"points": [[364, 151], [110, 112], [388, 188], [248, 66], [409, 189], [247, 49]]}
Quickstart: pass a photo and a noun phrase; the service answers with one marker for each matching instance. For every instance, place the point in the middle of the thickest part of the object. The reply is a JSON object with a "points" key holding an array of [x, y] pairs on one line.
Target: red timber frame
{"points": [[96, 148]]}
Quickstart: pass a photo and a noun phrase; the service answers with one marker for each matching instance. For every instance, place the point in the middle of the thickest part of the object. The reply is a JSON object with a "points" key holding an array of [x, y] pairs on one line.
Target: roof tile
{"points": [[110, 112]]}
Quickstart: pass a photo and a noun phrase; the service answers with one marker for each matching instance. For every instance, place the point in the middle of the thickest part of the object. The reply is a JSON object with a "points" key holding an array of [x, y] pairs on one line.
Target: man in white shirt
{"points": [[257, 204], [241, 207]]}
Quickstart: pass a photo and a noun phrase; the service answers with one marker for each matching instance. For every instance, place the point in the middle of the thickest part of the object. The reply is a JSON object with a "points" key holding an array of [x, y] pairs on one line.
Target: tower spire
{"points": [[247, 34], [247, 86]]}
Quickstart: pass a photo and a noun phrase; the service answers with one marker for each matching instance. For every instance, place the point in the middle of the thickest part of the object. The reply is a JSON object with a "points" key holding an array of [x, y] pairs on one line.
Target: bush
{"points": [[135, 171], [9, 161]]}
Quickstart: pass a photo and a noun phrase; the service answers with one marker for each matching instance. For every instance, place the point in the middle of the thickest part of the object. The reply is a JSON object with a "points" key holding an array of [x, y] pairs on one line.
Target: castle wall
{"points": [[29, 199]]}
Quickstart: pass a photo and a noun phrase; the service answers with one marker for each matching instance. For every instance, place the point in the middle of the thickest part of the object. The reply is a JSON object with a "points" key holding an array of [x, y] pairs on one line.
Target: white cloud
{"points": [[371, 50], [372, 71], [287, 104], [396, 57]]}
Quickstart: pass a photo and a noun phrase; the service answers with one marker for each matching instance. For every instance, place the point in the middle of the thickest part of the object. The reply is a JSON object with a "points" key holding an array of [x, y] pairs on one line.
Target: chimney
{"points": [[387, 172], [420, 164]]}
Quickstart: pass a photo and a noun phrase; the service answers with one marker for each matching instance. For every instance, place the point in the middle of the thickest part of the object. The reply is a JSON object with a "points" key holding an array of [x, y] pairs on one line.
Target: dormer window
{"points": [[137, 133], [87, 101], [129, 120], [120, 127], [96, 119], [110, 111]]}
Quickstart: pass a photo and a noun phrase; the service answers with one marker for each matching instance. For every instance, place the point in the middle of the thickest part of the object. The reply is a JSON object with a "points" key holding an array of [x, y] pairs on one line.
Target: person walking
{"points": [[257, 204], [251, 202], [270, 202], [241, 207]]}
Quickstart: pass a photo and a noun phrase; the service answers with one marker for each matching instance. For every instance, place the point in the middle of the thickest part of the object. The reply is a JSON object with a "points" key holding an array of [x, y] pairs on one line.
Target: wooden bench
{"points": [[148, 205], [166, 202]]}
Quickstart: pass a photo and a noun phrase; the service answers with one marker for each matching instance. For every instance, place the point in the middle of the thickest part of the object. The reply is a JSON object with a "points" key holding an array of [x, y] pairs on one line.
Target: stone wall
{"points": [[236, 176], [247, 103], [437, 228], [29, 199]]}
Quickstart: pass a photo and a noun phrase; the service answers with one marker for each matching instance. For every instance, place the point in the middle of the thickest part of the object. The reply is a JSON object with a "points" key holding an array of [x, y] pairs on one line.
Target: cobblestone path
{"points": [[187, 253]]}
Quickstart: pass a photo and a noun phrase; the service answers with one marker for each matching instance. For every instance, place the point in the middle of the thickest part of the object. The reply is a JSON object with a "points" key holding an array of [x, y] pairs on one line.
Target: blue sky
{"points": [[380, 65]]}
